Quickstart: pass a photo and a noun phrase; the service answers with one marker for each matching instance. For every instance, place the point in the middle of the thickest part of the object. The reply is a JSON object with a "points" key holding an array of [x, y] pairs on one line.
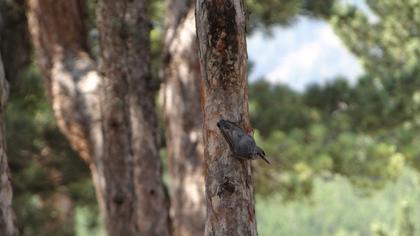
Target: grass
{"points": [[336, 208]]}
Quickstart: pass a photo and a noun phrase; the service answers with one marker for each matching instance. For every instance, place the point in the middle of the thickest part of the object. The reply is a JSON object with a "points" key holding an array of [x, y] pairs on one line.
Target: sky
{"points": [[306, 52]]}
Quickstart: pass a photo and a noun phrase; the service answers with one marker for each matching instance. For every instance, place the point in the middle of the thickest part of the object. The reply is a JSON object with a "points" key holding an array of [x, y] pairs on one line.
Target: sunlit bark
{"points": [[183, 119]]}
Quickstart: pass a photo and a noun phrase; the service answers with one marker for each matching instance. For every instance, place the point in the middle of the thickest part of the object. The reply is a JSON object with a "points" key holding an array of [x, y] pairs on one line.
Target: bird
{"points": [[241, 144]]}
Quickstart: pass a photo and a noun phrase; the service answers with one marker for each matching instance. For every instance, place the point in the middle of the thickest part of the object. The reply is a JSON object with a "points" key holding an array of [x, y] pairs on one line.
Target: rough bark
{"points": [[136, 192], [183, 119], [108, 118], [223, 58], [7, 217]]}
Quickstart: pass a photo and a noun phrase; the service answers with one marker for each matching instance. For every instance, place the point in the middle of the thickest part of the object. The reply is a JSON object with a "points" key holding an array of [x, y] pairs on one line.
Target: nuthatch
{"points": [[241, 143]]}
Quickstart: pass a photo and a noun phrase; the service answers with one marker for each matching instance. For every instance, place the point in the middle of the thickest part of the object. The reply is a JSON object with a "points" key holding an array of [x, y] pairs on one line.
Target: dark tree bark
{"points": [[7, 216], [15, 39], [223, 57], [136, 191], [16, 51], [109, 118], [183, 119]]}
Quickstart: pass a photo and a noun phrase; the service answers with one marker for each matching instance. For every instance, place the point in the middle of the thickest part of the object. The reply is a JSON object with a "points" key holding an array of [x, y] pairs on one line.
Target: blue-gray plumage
{"points": [[241, 143]]}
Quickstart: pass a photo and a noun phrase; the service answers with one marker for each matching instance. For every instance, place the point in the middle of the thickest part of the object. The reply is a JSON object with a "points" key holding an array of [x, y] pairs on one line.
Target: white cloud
{"points": [[309, 52]]}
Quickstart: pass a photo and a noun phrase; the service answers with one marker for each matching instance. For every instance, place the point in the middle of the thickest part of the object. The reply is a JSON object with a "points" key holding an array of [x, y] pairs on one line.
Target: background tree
{"points": [[183, 118], [390, 41], [223, 59], [73, 86], [130, 146], [388, 46], [62, 56], [7, 216], [43, 175]]}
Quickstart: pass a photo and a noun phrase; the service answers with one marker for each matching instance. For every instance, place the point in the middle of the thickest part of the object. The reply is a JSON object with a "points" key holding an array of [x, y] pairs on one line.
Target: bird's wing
{"points": [[228, 140]]}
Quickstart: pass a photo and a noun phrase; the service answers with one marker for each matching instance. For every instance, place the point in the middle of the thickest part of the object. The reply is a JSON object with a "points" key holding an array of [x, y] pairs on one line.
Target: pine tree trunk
{"points": [[223, 58], [131, 152], [7, 217], [109, 118], [71, 81], [183, 119]]}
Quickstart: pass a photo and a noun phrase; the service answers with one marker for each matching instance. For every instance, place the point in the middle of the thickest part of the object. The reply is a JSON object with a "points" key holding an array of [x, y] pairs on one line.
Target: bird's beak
{"points": [[263, 157]]}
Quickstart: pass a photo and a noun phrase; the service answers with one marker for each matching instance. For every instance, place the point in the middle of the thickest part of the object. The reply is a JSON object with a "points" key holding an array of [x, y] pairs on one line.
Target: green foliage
{"points": [[157, 35], [388, 47], [405, 223], [321, 132], [87, 222], [335, 208], [378, 230], [275, 107], [267, 13], [40, 159]]}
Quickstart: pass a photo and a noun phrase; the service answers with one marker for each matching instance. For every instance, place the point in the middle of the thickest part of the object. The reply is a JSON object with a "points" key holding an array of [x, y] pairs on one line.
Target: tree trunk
{"points": [[223, 58], [15, 44], [136, 191], [183, 119], [117, 138], [14, 48], [7, 216], [71, 81]]}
